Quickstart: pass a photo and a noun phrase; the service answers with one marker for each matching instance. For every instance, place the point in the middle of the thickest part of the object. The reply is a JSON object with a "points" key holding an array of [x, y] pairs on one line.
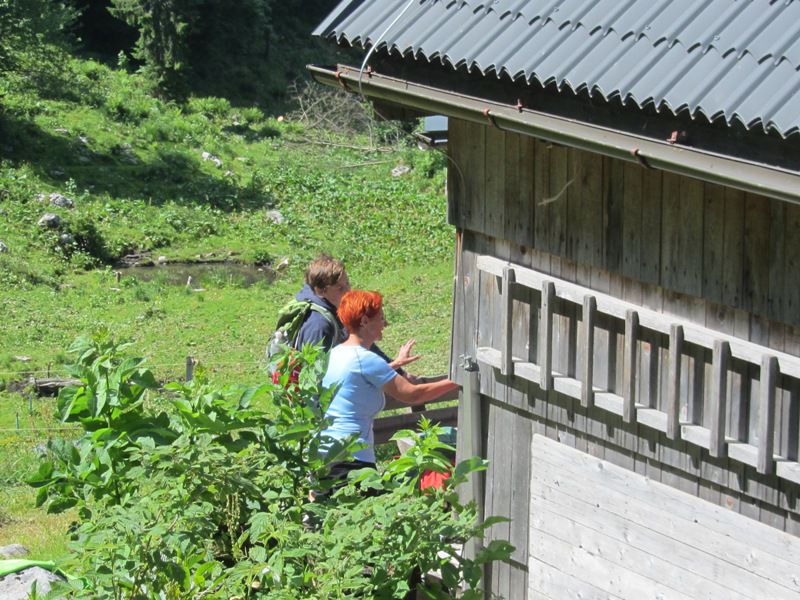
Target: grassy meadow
{"points": [[199, 181]]}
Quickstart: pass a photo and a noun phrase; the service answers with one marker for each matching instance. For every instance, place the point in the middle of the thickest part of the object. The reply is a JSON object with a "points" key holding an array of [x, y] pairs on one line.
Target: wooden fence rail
{"points": [[694, 399]]}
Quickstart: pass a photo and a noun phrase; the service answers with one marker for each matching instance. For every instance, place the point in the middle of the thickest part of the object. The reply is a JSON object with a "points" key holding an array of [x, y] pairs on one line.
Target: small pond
{"points": [[219, 274]]}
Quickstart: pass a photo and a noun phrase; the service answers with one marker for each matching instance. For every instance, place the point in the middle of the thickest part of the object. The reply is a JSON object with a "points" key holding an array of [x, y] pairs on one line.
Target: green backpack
{"points": [[290, 319]]}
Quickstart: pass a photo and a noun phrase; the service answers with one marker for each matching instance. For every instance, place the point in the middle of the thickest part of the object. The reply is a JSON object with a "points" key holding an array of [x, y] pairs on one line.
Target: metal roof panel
{"points": [[737, 60]]}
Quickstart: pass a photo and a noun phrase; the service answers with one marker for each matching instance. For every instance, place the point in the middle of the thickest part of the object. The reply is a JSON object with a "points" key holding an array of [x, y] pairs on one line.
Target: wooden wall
{"points": [[713, 256], [632, 538]]}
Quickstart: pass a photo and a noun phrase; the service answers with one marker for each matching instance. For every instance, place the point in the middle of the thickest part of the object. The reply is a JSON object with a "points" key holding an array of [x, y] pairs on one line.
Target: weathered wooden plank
{"points": [[494, 172], [587, 350], [756, 254], [632, 239], [513, 210], [585, 200], [791, 284], [545, 357], [614, 207], [690, 244], [473, 167], [502, 466], [541, 192], [673, 407], [629, 366], [562, 476], [766, 437], [520, 488], [777, 259], [651, 226], [713, 241], [612, 580], [556, 202], [507, 340], [647, 553], [733, 248], [719, 398], [459, 326], [671, 222], [456, 192], [551, 582]]}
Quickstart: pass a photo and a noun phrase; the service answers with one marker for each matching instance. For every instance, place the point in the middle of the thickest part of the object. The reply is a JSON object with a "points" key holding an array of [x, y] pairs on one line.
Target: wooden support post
{"points": [[470, 436], [587, 350], [719, 396], [629, 368], [674, 385], [766, 425], [506, 358], [190, 363], [545, 353]]}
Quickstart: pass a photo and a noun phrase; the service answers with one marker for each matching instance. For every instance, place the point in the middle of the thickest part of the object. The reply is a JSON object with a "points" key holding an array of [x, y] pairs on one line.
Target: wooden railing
{"points": [[385, 427], [694, 370]]}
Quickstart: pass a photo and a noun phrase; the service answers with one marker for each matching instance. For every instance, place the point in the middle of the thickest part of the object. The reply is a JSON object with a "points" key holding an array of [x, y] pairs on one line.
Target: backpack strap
{"points": [[330, 317]]}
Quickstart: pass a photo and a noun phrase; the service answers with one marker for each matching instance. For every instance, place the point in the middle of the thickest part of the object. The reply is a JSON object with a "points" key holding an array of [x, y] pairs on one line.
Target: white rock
{"points": [[210, 157], [162, 259], [13, 551], [61, 200], [18, 586], [275, 216], [3, 248], [49, 220], [400, 170]]}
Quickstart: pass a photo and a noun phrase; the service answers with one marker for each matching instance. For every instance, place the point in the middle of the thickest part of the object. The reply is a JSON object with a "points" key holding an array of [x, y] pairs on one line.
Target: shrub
{"points": [[197, 491]]}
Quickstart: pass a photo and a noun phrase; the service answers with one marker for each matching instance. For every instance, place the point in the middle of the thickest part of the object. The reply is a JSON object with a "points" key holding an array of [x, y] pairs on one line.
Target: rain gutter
{"points": [[701, 164]]}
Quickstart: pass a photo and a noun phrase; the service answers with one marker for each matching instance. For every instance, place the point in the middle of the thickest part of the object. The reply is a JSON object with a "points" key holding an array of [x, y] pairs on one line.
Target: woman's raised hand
{"points": [[404, 356]]}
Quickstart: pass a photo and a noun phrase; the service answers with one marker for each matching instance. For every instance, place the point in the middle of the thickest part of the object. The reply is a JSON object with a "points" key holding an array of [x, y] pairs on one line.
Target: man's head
{"points": [[328, 278]]}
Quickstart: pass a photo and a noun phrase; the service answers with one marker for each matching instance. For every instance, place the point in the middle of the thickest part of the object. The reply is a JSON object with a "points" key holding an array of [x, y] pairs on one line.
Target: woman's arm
{"points": [[408, 393]]}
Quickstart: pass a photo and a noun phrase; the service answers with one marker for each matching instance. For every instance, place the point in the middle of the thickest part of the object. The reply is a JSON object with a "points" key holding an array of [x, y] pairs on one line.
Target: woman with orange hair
{"points": [[361, 378]]}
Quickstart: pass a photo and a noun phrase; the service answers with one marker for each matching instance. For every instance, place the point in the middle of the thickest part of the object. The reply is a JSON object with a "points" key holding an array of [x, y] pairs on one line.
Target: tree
{"points": [[30, 27], [246, 50]]}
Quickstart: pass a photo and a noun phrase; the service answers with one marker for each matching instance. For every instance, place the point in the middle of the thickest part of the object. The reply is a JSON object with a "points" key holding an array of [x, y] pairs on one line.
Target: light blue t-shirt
{"points": [[359, 375]]}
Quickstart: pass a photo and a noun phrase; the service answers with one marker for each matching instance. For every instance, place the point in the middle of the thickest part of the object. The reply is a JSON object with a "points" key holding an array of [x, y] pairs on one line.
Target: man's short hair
{"points": [[324, 271]]}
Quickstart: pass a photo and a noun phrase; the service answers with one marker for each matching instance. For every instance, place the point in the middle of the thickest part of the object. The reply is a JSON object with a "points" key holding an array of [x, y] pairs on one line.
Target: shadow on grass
{"points": [[175, 175]]}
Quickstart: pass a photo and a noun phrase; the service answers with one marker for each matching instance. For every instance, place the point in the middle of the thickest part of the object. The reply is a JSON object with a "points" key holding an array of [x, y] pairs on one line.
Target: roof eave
{"points": [[722, 169]]}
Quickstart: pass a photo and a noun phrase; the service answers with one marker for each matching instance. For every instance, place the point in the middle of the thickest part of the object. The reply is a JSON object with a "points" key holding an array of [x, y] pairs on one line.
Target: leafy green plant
{"points": [[192, 491]]}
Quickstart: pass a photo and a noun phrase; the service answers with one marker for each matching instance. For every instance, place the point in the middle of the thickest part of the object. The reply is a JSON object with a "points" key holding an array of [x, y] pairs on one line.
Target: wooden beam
{"points": [[674, 384], [587, 350], [545, 350], [507, 360], [766, 424], [719, 397], [629, 366]]}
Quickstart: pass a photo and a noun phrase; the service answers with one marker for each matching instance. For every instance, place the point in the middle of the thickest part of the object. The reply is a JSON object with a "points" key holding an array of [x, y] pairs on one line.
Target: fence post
{"points": [[469, 441], [190, 363]]}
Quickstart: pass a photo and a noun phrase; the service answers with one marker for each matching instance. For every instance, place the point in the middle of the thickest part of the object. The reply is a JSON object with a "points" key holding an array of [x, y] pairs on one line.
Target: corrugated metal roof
{"points": [[737, 60]]}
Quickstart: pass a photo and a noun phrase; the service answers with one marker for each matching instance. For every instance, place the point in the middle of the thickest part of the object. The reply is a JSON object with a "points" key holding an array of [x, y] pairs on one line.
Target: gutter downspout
{"points": [[708, 166]]}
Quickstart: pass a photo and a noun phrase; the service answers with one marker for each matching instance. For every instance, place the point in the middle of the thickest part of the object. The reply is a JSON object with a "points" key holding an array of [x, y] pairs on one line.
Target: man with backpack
{"points": [[311, 317]]}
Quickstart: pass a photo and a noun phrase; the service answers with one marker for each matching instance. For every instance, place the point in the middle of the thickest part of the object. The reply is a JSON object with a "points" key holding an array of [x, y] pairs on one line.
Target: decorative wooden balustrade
{"points": [[710, 389]]}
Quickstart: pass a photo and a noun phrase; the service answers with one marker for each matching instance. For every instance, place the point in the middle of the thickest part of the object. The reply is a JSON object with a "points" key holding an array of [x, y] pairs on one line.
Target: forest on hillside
{"points": [[247, 51]]}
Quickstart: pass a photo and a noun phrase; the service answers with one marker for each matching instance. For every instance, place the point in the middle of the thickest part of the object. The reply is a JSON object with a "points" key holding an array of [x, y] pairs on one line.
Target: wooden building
{"points": [[626, 319]]}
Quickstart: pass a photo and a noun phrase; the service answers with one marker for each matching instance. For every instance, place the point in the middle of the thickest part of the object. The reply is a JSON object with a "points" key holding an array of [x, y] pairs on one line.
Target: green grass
{"points": [[134, 167]]}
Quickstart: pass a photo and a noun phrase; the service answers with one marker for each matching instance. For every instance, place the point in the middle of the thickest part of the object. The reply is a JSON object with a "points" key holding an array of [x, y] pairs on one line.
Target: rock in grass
{"points": [[13, 551], [50, 221], [275, 216], [18, 586], [400, 170], [61, 200], [3, 248]]}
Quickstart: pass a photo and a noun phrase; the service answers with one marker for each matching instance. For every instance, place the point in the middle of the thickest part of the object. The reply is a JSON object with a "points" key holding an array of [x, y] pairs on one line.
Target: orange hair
{"points": [[357, 304]]}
